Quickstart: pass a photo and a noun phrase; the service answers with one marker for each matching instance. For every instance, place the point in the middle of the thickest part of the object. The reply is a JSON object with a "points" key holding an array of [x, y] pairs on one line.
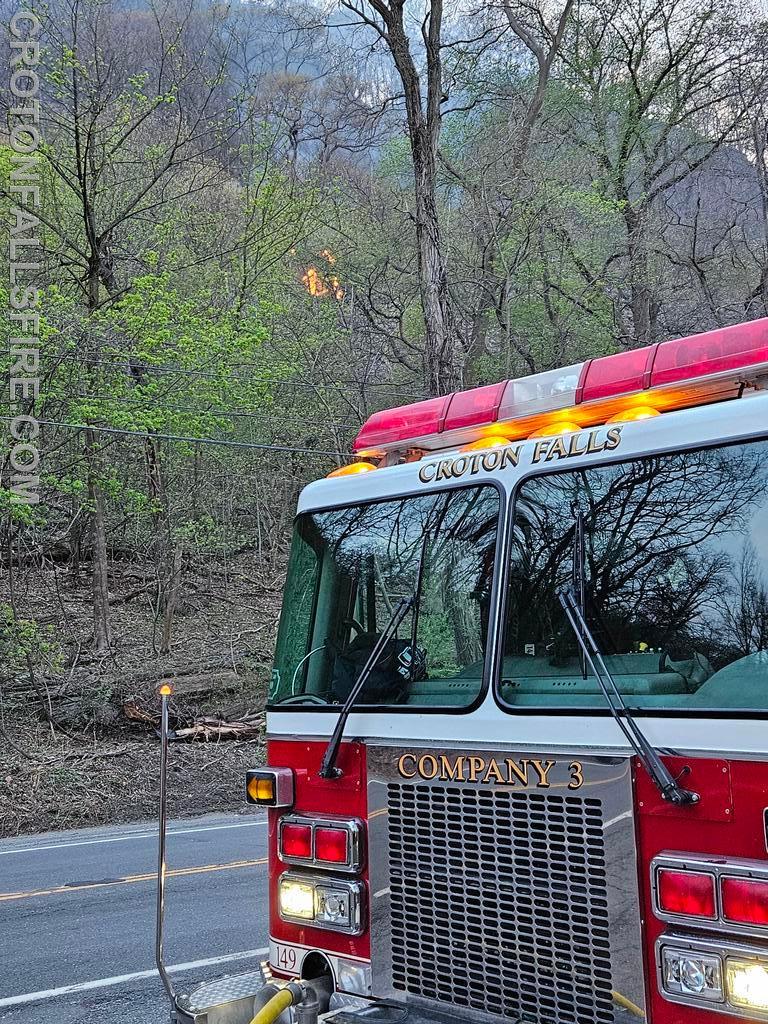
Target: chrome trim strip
{"points": [[553, 746]]}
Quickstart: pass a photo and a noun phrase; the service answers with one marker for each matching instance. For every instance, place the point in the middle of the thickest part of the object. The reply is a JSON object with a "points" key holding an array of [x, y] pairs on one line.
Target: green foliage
{"points": [[17, 513], [438, 637], [24, 643]]}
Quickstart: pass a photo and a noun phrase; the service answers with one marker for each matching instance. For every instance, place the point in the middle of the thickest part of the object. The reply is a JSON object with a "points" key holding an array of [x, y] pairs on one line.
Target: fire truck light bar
{"points": [[672, 374]]}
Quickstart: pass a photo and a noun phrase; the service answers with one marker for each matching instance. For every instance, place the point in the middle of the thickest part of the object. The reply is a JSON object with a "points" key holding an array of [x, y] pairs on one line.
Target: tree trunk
{"points": [[642, 308], [100, 574], [442, 354], [442, 364], [171, 593]]}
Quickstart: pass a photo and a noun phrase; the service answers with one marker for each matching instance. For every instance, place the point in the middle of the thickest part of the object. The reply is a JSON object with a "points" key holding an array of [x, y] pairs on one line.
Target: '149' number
{"points": [[286, 958]]}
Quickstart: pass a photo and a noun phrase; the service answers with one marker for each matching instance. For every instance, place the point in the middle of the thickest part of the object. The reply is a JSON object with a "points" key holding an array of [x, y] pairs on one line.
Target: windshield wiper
{"points": [[669, 787], [328, 769]]}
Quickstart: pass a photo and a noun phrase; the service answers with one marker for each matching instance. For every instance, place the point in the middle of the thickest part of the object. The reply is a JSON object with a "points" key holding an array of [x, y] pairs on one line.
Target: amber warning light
{"points": [[269, 787]]}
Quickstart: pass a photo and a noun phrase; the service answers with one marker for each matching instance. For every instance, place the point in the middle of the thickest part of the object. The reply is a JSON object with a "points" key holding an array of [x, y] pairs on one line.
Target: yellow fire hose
{"points": [[295, 993], [628, 1005], [281, 1001]]}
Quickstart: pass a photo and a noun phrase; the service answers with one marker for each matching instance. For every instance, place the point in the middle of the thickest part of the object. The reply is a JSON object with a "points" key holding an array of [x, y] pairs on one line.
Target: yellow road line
{"points": [[130, 879]]}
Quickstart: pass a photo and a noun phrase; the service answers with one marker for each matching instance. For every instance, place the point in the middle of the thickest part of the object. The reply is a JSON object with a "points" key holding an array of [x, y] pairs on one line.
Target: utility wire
{"points": [[147, 436], [342, 385], [236, 413]]}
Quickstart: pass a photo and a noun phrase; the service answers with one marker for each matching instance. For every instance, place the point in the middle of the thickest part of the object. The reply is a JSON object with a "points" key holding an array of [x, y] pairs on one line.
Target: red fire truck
{"points": [[518, 720]]}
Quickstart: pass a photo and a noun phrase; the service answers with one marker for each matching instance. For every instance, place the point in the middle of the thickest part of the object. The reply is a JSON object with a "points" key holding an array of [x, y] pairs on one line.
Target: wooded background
{"points": [[261, 222]]}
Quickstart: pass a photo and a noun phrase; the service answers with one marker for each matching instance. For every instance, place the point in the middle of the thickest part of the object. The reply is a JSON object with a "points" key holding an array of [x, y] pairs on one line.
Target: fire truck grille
{"points": [[499, 902]]}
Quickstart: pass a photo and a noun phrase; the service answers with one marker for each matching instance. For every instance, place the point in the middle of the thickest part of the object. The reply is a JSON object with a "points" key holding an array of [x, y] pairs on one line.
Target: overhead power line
{"points": [[342, 385], [152, 436], [161, 406]]}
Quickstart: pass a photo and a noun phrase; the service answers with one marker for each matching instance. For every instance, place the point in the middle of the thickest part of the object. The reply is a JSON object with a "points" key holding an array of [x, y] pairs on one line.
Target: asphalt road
{"points": [[77, 917]]}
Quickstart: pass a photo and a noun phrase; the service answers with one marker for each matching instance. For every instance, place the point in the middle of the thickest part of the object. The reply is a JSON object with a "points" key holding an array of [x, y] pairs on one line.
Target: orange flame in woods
{"points": [[323, 285]]}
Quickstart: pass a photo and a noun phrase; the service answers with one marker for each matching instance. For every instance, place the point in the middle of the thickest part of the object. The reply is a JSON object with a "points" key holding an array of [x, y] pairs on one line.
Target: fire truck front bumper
{"points": [[235, 1000]]}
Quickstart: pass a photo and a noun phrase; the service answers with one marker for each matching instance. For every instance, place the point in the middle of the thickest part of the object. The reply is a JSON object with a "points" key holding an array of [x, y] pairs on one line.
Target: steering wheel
{"points": [[305, 698], [354, 624]]}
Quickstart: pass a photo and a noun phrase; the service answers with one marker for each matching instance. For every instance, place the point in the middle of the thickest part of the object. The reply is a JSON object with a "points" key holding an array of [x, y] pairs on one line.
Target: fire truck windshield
{"points": [[348, 569], [672, 556]]}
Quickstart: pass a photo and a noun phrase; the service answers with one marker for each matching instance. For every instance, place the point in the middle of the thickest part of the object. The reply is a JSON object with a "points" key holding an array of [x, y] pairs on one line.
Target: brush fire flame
{"points": [[322, 285]]}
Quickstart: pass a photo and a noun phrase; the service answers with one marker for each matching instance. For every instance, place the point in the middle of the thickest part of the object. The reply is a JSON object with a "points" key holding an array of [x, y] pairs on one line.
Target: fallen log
{"points": [[207, 729]]}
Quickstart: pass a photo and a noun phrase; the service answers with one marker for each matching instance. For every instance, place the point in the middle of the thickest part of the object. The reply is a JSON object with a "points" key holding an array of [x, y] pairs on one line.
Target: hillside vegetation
{"points": [[259, 223]]}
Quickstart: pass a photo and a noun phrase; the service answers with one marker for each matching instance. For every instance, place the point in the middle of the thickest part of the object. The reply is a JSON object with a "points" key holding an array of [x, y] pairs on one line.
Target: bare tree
{"points": [[424, 96], [661, 96], [134, 116]]}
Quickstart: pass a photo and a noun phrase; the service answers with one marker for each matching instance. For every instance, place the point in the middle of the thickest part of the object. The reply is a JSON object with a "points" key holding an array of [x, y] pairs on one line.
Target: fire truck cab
{"points": [[517, 724]]}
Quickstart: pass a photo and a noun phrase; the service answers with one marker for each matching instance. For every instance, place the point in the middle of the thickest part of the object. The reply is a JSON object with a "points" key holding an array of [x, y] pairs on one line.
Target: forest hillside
{"points": [[257, 223]]}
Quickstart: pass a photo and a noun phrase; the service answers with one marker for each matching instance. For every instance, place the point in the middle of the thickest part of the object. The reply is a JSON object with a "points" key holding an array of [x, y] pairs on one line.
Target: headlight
{"points": [[687, 973], [747, 984], [335, 904], [297, 899]]}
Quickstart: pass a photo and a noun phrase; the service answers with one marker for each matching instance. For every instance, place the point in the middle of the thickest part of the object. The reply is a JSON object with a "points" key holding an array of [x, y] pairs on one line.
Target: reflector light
{"points": [[688, 893], [745, 901], [731, 348], [470, 408], [618, 374], [493, 441], [296, 841], [402, 424], [332, 845], [352, 469]]}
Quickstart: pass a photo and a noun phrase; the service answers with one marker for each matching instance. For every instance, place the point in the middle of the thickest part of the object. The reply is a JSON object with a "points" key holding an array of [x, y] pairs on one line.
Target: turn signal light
{"points": [[745, 901], [269, 787], [296, 841], [332, 845], [687, 893]]}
